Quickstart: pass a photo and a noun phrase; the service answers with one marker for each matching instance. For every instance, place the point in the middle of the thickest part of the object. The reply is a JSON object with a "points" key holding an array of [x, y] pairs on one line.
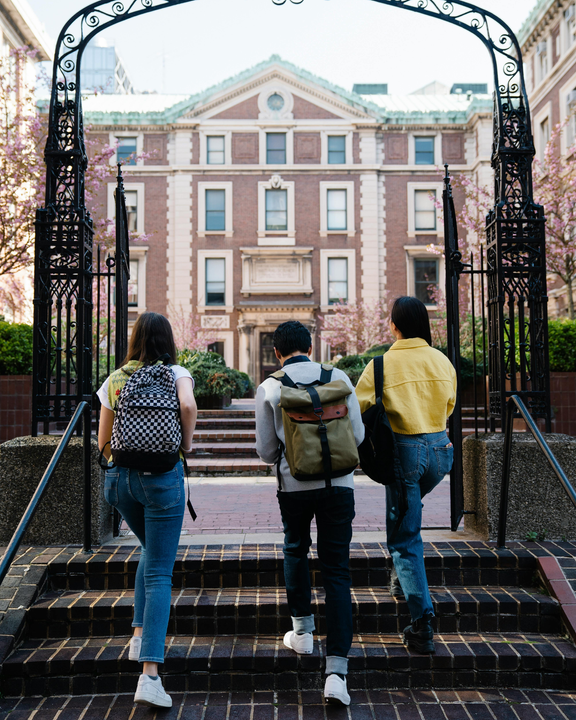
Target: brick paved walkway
{"points": [[306, 705], [233, 505]]}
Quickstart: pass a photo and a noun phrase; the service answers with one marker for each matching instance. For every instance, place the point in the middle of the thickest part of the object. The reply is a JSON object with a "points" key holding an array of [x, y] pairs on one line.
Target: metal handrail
{"points": [[506, 461], [83, 410]]}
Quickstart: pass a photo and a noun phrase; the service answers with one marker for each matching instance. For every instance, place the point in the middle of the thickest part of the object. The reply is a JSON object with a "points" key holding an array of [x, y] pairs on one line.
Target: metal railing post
{"points": [[87, 448]]}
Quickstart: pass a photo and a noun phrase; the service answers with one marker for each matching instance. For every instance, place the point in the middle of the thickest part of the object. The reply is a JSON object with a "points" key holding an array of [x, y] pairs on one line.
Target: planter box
{"points": [[213, 402], [563, 401], [15, 406]]}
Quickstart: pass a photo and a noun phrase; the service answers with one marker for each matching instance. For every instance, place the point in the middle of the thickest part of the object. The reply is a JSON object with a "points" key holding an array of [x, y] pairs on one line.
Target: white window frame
{"points": [[419, 252], [204, 255], [229, 224], [324, 146], [139, 145], [289, 132], [565, 30], [140, 190], [350, 208], [542, 72], [276, 237], [412, 187], [140, 253], [437, 148], [325, 255], [212, 132], [563, 93], [542, 116]]}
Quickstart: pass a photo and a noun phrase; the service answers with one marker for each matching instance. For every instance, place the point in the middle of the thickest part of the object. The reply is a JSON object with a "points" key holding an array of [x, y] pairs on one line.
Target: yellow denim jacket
{"points": [[419, 387]]}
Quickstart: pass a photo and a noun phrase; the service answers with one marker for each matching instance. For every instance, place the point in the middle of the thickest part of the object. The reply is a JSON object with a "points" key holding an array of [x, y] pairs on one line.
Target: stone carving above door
{"points": [[276, 271]]}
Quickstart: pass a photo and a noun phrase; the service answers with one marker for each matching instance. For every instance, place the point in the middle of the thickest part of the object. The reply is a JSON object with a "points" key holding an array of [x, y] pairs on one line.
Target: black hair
{"points": [[411, 317], [291, 337], [151, 338]]}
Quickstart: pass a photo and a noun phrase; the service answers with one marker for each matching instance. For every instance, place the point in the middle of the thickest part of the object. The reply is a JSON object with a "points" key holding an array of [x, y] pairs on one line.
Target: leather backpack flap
{"points": [[331, 412]]}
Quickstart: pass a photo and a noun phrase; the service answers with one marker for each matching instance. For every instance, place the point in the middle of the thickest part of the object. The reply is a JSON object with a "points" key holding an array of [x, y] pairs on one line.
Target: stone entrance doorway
{"points": [[268, 360]]}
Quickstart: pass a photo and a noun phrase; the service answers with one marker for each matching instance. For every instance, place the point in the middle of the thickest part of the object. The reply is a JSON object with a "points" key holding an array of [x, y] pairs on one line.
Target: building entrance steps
{"points": [[496, 627]]}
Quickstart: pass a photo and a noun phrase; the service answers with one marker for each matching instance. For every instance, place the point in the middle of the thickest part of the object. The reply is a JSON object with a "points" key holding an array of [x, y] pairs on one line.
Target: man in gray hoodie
{"points": [[333, 508]]}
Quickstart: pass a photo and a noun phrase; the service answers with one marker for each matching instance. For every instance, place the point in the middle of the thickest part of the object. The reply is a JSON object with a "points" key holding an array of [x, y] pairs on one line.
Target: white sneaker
{"points": [[151, 693], [302, 644], [135, 645], [335, 691]]}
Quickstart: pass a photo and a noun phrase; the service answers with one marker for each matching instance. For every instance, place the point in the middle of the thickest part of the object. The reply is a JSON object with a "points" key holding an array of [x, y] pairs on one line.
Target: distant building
{"points": [[276, 194], [102, 70], [548, 42], [473, 88]]}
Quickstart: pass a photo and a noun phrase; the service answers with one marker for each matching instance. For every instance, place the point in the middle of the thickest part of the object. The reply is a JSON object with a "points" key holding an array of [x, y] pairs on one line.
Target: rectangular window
{"points": [[337, 280], [425, 210], [131, 197], [276, 210], [544, 136], [215, 150], [336, 150], [425, 279], [215, 281], [126, 150], [424, 150], [216, 210], [337, 213], [276, 148], [133, 284]]}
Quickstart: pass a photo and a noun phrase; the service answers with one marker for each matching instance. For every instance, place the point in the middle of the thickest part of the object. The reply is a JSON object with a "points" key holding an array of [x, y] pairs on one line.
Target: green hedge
{"points": [[212, 377], [15, 349], [562, 343]]}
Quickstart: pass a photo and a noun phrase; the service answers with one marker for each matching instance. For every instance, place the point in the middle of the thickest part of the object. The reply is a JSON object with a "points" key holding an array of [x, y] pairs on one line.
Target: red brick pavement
{"points": [[248, 505]]}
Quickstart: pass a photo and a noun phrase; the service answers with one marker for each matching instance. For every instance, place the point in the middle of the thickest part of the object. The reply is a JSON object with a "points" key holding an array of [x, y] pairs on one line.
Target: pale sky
{"points": [[190, 47]]}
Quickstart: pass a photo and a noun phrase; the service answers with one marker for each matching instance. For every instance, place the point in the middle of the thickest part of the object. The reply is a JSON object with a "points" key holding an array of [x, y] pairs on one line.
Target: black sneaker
{"points": [[419, 636]]}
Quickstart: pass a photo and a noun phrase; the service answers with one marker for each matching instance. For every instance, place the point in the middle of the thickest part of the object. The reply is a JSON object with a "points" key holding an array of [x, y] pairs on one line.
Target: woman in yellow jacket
{"points": [[419, 395]]}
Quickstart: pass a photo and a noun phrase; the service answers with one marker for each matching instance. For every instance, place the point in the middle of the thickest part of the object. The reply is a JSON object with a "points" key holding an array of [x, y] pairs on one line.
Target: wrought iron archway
{"points": [[518, 343]]}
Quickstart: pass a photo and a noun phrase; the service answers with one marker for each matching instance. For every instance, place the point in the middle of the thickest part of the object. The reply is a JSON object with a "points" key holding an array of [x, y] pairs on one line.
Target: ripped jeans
{"points": [[425, 459]]}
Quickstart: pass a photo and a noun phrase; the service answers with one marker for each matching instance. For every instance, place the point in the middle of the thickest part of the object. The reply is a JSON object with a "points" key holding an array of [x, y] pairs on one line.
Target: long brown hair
{"points": [[151, 337]]}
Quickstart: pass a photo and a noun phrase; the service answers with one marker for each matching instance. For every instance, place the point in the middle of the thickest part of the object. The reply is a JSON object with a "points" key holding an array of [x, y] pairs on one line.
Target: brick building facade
{"points": [[275, 194], [548, 42]]}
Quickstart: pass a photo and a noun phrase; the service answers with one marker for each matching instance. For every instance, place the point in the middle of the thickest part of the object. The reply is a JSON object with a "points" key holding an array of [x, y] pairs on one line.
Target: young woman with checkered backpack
{"points": [[146, 423]]}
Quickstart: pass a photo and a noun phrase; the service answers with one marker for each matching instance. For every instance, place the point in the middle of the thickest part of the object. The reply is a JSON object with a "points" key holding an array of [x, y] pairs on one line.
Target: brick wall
{"points": [[15, 406]]}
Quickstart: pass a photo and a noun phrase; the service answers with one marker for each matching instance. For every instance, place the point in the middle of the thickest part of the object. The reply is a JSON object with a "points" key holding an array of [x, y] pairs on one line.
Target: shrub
{"points": [[562, 344], [353, 366], [15, 349], [212, 377]]}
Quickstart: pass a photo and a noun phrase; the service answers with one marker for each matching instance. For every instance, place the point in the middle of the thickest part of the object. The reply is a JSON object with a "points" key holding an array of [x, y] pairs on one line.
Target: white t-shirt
{"points": [[178, 370]]}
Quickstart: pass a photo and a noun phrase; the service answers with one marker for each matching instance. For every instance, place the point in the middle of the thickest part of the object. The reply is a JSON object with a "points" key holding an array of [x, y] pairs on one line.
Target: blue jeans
{"points": [[153, 507], [425, 459], [334, 511]]}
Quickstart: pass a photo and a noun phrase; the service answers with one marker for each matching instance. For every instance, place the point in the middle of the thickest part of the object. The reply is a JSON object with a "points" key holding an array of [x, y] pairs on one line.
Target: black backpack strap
{"points": [[285, 379], [323, 430], [326, 374], [379, 377]]}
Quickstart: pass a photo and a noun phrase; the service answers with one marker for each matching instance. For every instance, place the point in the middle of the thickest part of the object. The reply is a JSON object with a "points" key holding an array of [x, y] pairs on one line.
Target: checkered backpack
{"points": [[146, 434]]}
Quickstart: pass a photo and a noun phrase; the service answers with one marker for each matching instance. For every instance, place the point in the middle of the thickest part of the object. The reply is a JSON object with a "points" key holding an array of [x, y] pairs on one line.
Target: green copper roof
{"points": [[536, 14], [153, 109]]}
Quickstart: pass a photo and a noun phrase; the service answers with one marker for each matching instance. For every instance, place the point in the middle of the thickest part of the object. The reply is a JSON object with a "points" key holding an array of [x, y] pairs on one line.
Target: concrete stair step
{"points": [[234, 611], [226, 423], [228, 466], [82, 666], [225, 436], [226, 413], [223, 448]]}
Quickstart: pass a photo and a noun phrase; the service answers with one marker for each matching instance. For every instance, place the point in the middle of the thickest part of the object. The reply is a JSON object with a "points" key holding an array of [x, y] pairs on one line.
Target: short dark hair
{"points": [[151, 338], [291, 337], [411, 317]]}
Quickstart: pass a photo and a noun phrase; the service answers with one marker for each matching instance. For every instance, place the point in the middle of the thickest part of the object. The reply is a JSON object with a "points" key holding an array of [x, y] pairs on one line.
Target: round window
{"points": [[276, 102]]}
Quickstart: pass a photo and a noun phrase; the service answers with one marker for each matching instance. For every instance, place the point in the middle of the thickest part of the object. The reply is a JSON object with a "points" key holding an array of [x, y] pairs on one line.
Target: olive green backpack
{"points": [[319, 439]]}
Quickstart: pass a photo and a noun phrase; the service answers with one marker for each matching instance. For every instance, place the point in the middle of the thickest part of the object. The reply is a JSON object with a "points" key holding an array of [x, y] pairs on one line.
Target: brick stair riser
{"points": [[210, 613], [244, 663], [268, 572], [205, 450], [234, 424]]}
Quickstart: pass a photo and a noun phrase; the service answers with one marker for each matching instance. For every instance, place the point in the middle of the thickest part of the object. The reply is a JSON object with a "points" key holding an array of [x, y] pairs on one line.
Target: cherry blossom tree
{"points": [[188, 331], [356, 327]]}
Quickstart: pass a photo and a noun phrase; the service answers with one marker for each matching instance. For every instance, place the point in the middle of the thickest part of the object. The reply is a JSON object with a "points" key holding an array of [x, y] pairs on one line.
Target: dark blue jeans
{"points": [[334, 511]]}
